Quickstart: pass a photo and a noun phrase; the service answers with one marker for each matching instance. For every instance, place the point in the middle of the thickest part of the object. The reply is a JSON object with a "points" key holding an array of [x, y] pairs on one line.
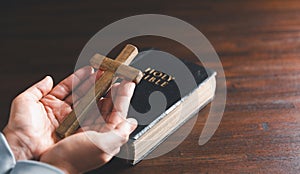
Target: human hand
{"points": [[104, 134], [37, 112]]}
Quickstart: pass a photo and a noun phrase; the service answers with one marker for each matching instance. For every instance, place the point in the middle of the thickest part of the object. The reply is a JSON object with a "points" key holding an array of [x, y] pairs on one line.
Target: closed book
{"points": [[171, 92]]}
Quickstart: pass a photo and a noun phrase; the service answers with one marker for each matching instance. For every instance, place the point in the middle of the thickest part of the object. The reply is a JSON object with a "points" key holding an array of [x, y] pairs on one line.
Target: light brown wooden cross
{"points": [[118, 67]]}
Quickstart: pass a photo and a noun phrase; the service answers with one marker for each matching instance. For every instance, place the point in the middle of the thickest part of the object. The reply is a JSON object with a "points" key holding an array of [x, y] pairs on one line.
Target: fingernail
{"points": [[48, 78], [91, 70], [132, 121]]}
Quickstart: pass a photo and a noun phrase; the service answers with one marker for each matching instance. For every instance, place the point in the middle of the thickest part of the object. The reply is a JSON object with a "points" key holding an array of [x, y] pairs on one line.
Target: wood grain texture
{"points": [[258, 42], [122, 71]]}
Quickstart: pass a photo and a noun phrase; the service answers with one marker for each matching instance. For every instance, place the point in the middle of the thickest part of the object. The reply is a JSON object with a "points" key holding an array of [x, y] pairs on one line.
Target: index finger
{"points": [[64, 88], [121, 100]]}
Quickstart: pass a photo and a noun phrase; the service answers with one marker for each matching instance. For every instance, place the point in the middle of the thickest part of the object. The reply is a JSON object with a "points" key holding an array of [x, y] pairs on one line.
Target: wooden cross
{"points": [[118, 67]]}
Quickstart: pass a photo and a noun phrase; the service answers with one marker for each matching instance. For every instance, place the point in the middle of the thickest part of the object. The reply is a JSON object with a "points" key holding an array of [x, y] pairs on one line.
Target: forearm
{"points": [[62, 165]]}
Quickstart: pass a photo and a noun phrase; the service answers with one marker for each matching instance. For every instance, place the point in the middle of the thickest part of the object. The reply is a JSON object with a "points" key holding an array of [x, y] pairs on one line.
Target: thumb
{"points": [[41, 88], [110, 142], [126, 127]]}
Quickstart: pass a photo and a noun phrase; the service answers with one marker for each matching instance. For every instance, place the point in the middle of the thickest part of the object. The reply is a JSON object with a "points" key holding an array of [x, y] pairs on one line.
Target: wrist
{"points": [[62, 166], [18, 147], [66, 171]]}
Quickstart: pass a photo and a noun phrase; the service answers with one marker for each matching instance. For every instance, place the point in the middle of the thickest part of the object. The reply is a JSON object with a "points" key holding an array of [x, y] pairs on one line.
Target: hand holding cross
{"points": [[112, 68]]}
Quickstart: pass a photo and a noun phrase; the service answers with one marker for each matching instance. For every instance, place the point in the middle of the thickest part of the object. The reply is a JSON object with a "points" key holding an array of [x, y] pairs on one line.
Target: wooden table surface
{"points": [[258, 42]]}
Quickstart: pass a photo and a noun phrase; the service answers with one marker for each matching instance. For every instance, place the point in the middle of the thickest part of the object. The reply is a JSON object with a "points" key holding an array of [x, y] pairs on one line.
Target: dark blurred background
{"points": [[258, 42]]}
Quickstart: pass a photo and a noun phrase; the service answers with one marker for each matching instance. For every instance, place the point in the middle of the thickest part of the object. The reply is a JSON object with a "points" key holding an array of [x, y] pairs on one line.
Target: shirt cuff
{"points": [[8, 164], [7, 159], [34, 167]]}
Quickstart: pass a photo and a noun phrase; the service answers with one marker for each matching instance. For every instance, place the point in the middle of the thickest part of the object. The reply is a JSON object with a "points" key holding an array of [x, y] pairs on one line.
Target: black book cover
{"points": [[166, 81]]}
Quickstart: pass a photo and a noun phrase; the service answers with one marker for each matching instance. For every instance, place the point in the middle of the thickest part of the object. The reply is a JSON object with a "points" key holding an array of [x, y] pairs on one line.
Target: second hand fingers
{"points": [[64, 88], [121, 100], [83, 87]]}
